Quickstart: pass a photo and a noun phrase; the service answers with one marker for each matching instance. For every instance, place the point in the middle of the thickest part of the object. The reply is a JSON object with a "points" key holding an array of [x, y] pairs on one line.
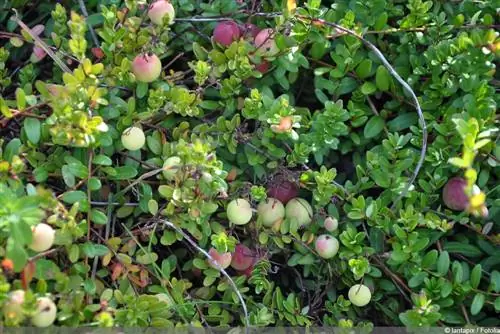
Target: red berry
{"points": [[263, 67], [283, 190], [454, 196], [226, 32], [243, 258]]}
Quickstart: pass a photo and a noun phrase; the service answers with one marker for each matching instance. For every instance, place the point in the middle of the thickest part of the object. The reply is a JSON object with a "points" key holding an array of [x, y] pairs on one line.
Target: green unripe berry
{"points": [[133, 138]]}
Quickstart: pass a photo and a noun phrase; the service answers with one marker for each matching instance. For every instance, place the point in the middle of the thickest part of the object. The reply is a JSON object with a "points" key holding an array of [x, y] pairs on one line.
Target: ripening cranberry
{"points": [[226, 32], [146, 67], [242, 258], [159, 9], [37, 55], [284, 126], [265, 43], [222, 259], [454, 196], [326, 246]]}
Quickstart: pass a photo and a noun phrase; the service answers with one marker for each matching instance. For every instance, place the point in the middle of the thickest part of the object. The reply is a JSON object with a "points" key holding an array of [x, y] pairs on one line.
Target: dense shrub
{"points": [[282, 148]]}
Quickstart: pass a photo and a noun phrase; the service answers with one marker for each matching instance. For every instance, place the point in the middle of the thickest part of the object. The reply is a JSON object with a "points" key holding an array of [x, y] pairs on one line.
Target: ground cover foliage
{"points": [[260, 162]]}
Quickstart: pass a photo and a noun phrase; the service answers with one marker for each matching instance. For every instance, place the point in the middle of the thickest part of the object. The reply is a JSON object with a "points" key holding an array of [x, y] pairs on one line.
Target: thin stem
{"points": [[423, 29], [405, 85], [201, 250], [41, 43]]}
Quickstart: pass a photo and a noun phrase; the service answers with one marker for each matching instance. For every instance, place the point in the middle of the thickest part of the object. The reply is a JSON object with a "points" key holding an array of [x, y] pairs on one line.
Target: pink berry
{"points": [[242, 257], [159, 9], [146, 67], [265, 44], [454, 196], [226, 32], [38, 54], [331, 224], [327, 246], [222, 259]]}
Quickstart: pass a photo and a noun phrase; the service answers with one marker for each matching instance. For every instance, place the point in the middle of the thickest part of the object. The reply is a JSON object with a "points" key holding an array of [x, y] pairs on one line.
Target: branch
{"points": [[201, 250], [405, 85], [423, 29], [225, 18], [41, 43]]}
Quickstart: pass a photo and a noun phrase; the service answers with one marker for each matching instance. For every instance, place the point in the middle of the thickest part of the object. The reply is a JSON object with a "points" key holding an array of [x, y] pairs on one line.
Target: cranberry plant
{"points": [[249, 163]]}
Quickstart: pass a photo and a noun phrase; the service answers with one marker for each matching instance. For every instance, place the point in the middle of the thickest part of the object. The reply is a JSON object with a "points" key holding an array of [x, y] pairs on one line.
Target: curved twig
{"points": [[201, 250], [406, 86]]}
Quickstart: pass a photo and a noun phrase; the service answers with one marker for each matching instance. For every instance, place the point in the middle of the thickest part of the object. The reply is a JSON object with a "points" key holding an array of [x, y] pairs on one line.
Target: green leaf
{"points": [[20, 99], [102, 160], [307, 259], [89, 286], [347, 85], [93, 250], [368, 88], [94, 184], [364, 68], [495, 281], [462, 248], [68, 177], [74, 253], [416, 280], [153, 206], [443, 263], [124, 173], [373, 127], [141, 90], [20, 232], [382, 78], [4, 109], [475, 276], [71, 197], [16, 253], [33, 129], [294, 259], [402, 122], [200, 264], [12, 149], [381, 21], [477, 303], [147, 258], [98, 217], [430, 258]]}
